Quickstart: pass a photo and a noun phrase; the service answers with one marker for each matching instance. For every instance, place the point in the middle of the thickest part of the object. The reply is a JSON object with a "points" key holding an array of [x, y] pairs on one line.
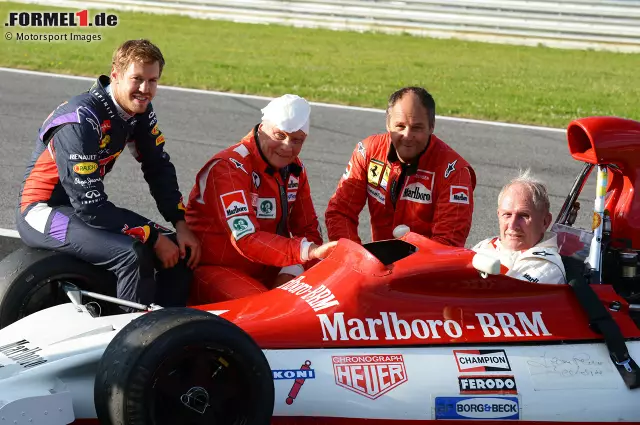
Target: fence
{"points": [[604, 24]]}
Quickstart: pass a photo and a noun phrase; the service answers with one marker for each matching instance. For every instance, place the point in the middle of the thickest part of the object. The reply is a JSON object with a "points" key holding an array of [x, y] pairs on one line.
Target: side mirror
{"points": [[486, 264]]}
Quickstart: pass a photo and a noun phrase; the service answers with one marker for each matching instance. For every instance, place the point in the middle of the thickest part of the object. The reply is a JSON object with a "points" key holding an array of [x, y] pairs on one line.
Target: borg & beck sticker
{"points": [[482, 360], [234, 203], [460, 407]]}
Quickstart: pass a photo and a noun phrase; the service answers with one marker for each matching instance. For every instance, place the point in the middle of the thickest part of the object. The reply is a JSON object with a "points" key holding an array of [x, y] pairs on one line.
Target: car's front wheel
{"points": [[183, 366]]}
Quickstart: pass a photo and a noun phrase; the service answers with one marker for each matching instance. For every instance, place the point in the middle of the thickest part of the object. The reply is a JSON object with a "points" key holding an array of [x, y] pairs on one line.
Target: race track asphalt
{"points": [[198, 124]]}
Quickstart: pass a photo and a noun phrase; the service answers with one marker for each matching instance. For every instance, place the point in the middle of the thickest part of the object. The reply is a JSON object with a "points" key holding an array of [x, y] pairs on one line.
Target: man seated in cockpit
{"points": [[525, 249]]}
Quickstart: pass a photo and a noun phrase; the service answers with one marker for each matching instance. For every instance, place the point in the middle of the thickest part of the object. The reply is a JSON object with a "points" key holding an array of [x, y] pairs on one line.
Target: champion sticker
{"points": [[482, 360]]}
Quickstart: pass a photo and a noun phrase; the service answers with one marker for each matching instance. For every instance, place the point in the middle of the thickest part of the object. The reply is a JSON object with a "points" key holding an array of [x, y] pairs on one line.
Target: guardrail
{"points": [[604, 24]]}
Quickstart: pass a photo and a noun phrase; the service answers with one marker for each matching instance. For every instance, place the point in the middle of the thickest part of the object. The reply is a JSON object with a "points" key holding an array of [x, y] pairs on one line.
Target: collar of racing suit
{"points": [[546, 249], [292, 168], [101, 90], [123, 114], [408, 169]]}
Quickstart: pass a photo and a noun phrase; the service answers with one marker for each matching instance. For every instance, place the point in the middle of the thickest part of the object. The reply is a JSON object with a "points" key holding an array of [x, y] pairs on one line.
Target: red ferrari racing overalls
{"points": [[252, 220], [434, 196]]}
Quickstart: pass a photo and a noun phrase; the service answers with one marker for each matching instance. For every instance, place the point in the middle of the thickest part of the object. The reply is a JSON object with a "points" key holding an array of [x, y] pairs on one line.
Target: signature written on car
{"points": [[318, 298], [388, 326]]}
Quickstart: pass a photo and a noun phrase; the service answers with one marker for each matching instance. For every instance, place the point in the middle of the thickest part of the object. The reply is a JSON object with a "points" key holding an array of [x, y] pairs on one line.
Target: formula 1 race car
{"points": [[397, 331]]}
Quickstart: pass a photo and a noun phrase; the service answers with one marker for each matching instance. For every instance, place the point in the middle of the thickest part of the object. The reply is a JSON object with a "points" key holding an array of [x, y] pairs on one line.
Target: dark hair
{"points": [[136, 50], [425, 98]]}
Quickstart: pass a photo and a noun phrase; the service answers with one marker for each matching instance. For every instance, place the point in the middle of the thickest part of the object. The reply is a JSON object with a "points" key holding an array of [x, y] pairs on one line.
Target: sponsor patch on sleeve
{"points": [[374, 174], [234, 203], [159, 140], [459, 195], [451, 167], [241, 226], [362, 150], [347, 171]]}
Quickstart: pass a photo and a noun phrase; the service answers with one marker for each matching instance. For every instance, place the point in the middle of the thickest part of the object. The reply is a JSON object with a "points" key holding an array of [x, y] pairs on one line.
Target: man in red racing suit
{"points": [[408, 176], [251, 208]]}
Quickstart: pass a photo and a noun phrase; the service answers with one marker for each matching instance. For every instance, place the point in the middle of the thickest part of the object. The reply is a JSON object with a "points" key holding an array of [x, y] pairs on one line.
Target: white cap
{"points": [[289, 113]]}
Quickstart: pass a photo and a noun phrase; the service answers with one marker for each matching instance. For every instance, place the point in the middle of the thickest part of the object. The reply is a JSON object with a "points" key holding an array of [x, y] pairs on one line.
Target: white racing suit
{"points": [[540, 264]]}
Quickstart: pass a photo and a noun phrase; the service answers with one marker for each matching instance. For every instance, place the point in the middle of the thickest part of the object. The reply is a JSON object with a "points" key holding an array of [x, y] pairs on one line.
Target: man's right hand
{"points": [[323, 251], [167, 252]]}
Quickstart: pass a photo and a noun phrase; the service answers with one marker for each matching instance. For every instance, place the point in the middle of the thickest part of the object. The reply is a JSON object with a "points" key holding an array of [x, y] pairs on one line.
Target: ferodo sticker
{"points": [[85, 167], [498, 384]]}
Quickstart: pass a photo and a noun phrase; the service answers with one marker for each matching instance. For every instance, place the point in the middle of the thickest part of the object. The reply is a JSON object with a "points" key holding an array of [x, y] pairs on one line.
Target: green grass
{"points": [[531, 85]]}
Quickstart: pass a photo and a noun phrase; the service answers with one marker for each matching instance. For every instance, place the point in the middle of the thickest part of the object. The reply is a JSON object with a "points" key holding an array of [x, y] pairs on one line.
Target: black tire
{"points": [[29, 282], [157, 361]]}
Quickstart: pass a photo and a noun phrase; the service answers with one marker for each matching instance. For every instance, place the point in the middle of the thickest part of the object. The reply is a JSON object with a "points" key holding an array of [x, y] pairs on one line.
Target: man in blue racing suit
{"points": [[63, 204]]}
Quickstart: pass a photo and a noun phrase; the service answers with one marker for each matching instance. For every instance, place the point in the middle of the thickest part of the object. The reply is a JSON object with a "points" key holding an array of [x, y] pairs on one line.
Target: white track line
{"points": [[9, 233], [326, 105]]}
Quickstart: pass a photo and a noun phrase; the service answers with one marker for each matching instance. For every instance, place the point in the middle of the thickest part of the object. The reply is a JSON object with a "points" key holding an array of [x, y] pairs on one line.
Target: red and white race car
{"points": [[403, 331]]}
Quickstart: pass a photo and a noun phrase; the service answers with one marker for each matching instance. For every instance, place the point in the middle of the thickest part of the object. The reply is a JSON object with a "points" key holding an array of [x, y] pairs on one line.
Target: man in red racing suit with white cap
{"points": [[251, 208], [408, 176]]}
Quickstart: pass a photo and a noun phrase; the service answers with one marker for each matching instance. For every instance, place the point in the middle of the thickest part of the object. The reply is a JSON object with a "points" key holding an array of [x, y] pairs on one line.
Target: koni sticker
{"points": [[482, 360], [388, 326], [298, 375], [371, 375]]}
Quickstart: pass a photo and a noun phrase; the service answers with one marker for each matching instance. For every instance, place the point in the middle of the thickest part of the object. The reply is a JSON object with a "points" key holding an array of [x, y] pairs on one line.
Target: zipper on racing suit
{"points": [[282, 229]]}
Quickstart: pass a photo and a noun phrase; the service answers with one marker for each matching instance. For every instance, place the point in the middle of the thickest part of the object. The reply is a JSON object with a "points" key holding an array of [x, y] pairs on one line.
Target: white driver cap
{"points": [[289, 113]]}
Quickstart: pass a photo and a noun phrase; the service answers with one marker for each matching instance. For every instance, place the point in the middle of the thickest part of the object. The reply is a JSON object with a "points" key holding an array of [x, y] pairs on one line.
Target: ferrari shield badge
{"points": [[376, 168]]}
